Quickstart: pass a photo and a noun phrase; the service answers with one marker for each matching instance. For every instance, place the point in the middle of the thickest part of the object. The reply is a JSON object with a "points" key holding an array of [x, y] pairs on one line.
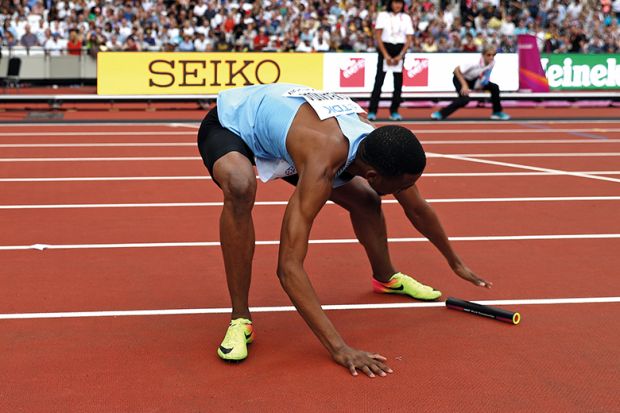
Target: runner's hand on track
{"points": [[468, 275], [371, 364], [465, 91]]}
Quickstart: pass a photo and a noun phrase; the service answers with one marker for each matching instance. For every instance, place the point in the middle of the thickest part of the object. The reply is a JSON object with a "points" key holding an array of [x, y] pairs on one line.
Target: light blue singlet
{"points": [[262, 116]]}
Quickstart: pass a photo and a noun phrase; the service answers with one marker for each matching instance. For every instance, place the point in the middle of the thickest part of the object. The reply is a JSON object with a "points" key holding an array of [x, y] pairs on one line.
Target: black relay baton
{"points": [[483, 310]]}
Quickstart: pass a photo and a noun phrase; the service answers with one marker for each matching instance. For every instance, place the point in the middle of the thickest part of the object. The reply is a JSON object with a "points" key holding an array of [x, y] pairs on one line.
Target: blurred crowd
{"points": [[72, 27]]}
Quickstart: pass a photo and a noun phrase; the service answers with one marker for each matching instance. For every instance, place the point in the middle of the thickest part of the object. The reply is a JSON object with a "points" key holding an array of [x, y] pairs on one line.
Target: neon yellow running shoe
{"points": [[400, 283], [234, 347]]}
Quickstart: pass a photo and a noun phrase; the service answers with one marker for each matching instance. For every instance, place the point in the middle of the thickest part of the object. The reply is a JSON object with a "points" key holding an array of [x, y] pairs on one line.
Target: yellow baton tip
{"points": [[516, 318]]}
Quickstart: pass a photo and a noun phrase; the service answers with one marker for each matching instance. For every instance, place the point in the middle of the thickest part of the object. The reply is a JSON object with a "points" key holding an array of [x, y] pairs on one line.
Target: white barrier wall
{"points": [[422, 72]]}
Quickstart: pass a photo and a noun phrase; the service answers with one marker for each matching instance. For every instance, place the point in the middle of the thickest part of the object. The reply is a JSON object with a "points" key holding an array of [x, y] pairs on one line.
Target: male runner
{"points": [[341, 158]]}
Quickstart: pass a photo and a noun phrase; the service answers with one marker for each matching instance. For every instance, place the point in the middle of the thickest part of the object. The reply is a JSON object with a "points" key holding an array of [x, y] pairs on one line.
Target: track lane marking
{"points": [[99, 145], [43, 247], [537, 154], [106, 159], [192, 144], [520, 166], [417, 131], [278, 203], [428, 155], [87, 134], [278, 309], [196, 124], [200, 177]]}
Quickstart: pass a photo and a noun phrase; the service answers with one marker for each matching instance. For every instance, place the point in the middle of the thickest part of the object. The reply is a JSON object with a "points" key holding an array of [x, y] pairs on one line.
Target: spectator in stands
{"points": [[521, 28], [93, 44], [39, 31], [261, 40], [474, 76], [202, 44], [321, 40], [574, 9], [305, 34], [348, 23], [288, 43], [186, 45], [578, 39], [74, 45], [393, 32], [507, 27], [6, 28], [29, 39], [200, 8], [304, 46], [55, 46], [221, 45], [10, 42], [468, 45], [113, 44], [455, 43], [507, 45], [442, 45], [131, 45], [430, 45]]}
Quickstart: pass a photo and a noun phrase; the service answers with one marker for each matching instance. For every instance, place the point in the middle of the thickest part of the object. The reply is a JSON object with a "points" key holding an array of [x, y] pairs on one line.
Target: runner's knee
{"points": [[239, 190]]}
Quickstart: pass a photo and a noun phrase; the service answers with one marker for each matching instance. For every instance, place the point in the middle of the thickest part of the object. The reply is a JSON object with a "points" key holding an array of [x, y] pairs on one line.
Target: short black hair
{"points": [[393, 151], [389, 5]]}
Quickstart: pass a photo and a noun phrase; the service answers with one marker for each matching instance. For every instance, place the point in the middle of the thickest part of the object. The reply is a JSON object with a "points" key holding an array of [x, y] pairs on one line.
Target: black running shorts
{"points": [[215, 141]]}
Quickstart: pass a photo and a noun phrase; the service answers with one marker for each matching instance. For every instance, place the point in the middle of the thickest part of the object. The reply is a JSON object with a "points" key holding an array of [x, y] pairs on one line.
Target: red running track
{"points": [[562, 357]]}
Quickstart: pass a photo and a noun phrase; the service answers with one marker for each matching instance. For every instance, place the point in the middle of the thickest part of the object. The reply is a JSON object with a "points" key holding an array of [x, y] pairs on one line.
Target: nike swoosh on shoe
{"points": [[225, 350]]}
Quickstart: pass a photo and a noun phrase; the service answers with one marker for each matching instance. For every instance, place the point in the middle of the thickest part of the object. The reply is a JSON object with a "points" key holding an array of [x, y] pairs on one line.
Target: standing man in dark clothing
{"points": [[393, 31]]}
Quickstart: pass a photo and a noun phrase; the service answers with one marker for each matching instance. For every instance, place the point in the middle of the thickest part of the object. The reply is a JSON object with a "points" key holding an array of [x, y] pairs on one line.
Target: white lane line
{"points": [[124, 124], [278, 309], [277, 203], [105, 159], [184, 125], [485, 131], [96, 145], [196, 158], [87, 134], [551, 237], [488, 174], [513, 122], [198, 177], [192, 144], [532, 168], [515, 141], [520, 131], [537, 154], [416, 122], [109, 178]]}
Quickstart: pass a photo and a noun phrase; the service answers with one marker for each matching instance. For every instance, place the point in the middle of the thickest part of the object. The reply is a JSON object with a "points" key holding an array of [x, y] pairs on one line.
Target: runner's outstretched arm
{"points": [[317, 161], [425, 220]]}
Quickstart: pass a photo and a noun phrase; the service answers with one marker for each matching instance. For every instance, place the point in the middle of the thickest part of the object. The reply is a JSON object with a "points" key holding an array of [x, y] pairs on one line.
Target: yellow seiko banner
{"points": [[147, 73]]}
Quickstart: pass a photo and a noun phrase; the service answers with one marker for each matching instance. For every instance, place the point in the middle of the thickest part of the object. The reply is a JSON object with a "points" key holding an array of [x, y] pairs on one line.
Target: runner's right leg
{"points": [[236, 177]]}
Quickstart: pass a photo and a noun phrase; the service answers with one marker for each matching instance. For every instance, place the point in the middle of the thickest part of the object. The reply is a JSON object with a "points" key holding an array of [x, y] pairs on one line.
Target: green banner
{"points": [[582, 71]]}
